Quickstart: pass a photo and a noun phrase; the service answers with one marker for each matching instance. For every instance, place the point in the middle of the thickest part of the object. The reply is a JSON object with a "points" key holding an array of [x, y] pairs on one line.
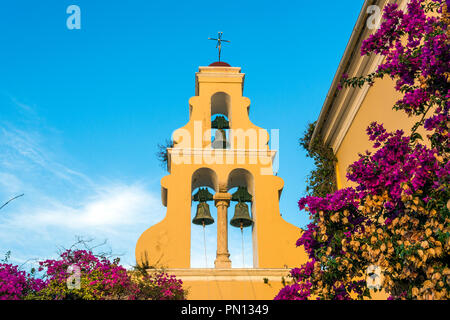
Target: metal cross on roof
{"points": [[219, 42]]}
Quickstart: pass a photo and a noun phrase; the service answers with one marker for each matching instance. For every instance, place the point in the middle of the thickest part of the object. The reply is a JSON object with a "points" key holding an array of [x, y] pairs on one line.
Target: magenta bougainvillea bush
{"points": [[16, 284], [396, 218], [99, 278], [79, 274]]}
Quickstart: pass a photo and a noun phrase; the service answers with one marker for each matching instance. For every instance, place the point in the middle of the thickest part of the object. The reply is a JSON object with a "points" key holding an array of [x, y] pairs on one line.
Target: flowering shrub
{"points": [[397, 216], [99, 279], [16, 284], [159, 286]]}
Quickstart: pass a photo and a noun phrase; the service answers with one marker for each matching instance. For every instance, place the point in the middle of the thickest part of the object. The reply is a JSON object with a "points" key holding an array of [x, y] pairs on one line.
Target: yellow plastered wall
{"points": [[232, 290], [232, 284], [377, 106]]}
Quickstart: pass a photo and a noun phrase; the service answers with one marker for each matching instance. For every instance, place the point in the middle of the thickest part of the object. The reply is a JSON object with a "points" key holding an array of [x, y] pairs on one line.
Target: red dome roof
{"points": [[219, 64]]}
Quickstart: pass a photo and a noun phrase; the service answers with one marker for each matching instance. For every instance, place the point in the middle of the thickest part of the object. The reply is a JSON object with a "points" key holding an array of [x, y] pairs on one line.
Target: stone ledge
{"points": [[200, 274]]}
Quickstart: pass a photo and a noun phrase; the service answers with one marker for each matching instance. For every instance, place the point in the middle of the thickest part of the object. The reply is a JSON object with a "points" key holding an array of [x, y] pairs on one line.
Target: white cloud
{"points": [[10, 182], [24, 107], [24, 151], [61, 202], [113, 206], [118, 214]]}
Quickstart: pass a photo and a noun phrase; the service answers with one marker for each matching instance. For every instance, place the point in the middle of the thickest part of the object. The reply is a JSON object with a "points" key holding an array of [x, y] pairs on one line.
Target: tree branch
{"points": [[20, 195]]}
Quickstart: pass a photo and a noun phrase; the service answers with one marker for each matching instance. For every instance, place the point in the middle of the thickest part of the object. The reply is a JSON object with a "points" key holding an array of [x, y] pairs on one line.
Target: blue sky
{"points": [[82, 111]]}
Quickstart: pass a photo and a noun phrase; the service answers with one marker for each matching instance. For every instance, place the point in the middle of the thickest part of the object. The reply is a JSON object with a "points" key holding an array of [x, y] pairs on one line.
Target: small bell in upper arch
{"points": [[220, 140]]}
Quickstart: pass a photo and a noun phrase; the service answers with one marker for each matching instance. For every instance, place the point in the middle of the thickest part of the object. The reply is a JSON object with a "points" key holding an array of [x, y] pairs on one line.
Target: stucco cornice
{"points": [[217, 75], [341, 106]]}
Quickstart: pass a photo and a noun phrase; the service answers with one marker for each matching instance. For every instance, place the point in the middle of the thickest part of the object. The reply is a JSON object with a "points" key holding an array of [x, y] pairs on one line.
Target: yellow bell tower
{"points": [[221, 155]]}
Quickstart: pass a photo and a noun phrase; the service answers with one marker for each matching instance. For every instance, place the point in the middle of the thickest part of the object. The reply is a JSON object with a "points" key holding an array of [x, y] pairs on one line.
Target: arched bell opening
{"points": [[204, 177], [203, 218], [221, 104], [241, 218], [220, 120]]}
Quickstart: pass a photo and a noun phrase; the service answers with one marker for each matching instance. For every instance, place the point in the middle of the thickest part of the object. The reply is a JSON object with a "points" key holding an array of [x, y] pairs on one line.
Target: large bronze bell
{"points": [[220, 140], [203, 216], [241, 217]]}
